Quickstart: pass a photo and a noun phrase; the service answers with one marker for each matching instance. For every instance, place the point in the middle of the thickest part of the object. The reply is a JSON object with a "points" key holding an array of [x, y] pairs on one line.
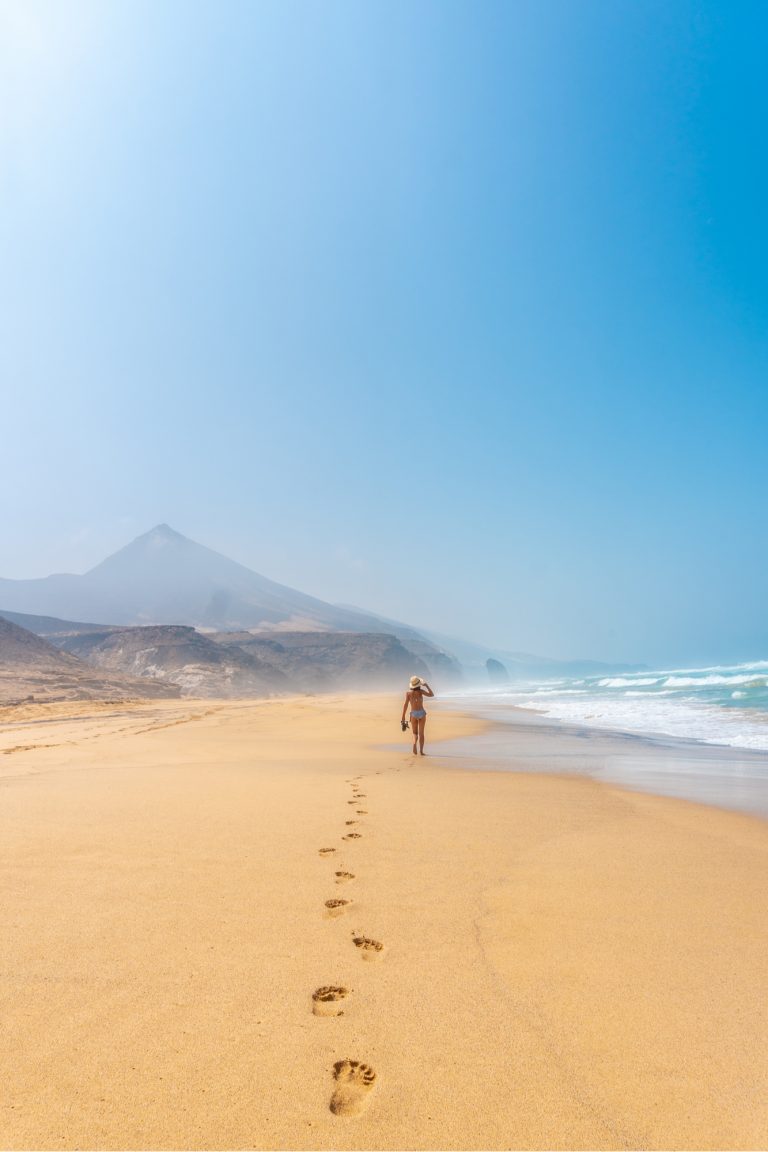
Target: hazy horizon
{"points": [[454, 312]]}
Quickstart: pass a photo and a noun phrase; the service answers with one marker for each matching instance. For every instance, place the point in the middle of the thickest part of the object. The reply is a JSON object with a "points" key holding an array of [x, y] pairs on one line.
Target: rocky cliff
{"points": [[175, 654], [31, 667], [324, 661]]}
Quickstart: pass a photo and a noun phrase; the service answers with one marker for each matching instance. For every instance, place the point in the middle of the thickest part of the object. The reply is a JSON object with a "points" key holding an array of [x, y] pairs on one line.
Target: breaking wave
{"points": [[717, 705]]}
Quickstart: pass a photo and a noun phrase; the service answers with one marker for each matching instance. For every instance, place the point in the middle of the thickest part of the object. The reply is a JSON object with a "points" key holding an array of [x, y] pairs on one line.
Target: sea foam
{"points": [[717, 705]]}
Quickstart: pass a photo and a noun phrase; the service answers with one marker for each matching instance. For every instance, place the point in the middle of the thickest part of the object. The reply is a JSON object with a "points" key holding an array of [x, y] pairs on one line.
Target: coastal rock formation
{"points": [[440, 661], [497, 673], [179, 655], [523, 665], [31, 667], [323, 661], [440, 665], [232, 664]]}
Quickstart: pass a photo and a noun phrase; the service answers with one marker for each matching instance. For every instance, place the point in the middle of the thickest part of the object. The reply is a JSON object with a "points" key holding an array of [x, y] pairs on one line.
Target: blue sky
{"points": [[455, 311]]}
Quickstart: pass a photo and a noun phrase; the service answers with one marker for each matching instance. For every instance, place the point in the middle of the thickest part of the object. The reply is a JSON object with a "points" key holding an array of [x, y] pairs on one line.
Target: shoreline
{"points": [[563, 963], [719, 775]]}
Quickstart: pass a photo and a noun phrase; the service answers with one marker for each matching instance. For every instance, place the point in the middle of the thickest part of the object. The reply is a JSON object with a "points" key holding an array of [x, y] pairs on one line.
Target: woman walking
{"points": [[414, 698]]}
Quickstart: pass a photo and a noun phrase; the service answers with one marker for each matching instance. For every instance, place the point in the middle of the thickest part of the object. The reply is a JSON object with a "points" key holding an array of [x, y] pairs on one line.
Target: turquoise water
{"points": [[725, 705]]}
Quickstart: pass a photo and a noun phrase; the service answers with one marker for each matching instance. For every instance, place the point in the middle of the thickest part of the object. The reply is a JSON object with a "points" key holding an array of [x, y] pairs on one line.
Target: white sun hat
{"points": [[415, 681]]}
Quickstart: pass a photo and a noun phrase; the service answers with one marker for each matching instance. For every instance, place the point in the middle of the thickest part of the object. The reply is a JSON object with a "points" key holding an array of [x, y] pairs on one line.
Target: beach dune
{"points": [[267, 925]]}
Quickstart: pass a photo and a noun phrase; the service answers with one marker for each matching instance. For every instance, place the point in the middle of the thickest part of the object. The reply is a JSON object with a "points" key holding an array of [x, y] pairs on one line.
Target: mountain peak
{"points": [[162, 533], [162, 577], [161, 538]]}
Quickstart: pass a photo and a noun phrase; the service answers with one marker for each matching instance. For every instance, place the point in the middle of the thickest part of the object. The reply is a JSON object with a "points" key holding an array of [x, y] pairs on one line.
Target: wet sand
{"points": [[190, 892], [733, 778]]}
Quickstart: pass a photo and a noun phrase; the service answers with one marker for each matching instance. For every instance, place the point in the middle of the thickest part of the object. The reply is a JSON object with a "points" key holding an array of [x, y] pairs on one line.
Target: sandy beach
{"points": [[519, 960]]}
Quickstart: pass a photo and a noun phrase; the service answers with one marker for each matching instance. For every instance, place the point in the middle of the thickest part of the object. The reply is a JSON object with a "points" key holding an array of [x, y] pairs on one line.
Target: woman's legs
{"points": [[420, 722]]}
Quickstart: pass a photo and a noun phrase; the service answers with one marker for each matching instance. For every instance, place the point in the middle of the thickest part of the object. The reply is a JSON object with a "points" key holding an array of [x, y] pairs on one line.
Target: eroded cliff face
{"points": [[232, 664], [178, 655], [32, 668], [326, 661], [241, 664]]}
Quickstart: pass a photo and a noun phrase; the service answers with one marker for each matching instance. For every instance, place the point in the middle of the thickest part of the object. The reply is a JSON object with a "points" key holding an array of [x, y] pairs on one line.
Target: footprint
{"points": [[326, 851], [351, 821], [369, 949], [326, 1000], [360, 796], [351, 801], [362, 811], [344, 877], [355, 1084], [352, 836], [336, 907]]}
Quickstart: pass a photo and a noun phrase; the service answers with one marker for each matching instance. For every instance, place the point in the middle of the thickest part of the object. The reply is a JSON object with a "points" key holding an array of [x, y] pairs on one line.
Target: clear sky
{"points": [[454, 311]]}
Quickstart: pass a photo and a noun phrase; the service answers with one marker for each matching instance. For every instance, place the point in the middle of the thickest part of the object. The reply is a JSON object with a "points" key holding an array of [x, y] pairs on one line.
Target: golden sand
{"points": [[198, 949]]}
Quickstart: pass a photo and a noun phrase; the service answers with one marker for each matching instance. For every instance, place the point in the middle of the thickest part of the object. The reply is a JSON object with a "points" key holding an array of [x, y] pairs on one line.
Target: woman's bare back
{"points": [[416, 699]]}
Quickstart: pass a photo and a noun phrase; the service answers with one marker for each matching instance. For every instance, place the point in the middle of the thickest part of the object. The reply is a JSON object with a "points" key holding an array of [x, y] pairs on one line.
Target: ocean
{"points": [[718, 705], [695, 733]]}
